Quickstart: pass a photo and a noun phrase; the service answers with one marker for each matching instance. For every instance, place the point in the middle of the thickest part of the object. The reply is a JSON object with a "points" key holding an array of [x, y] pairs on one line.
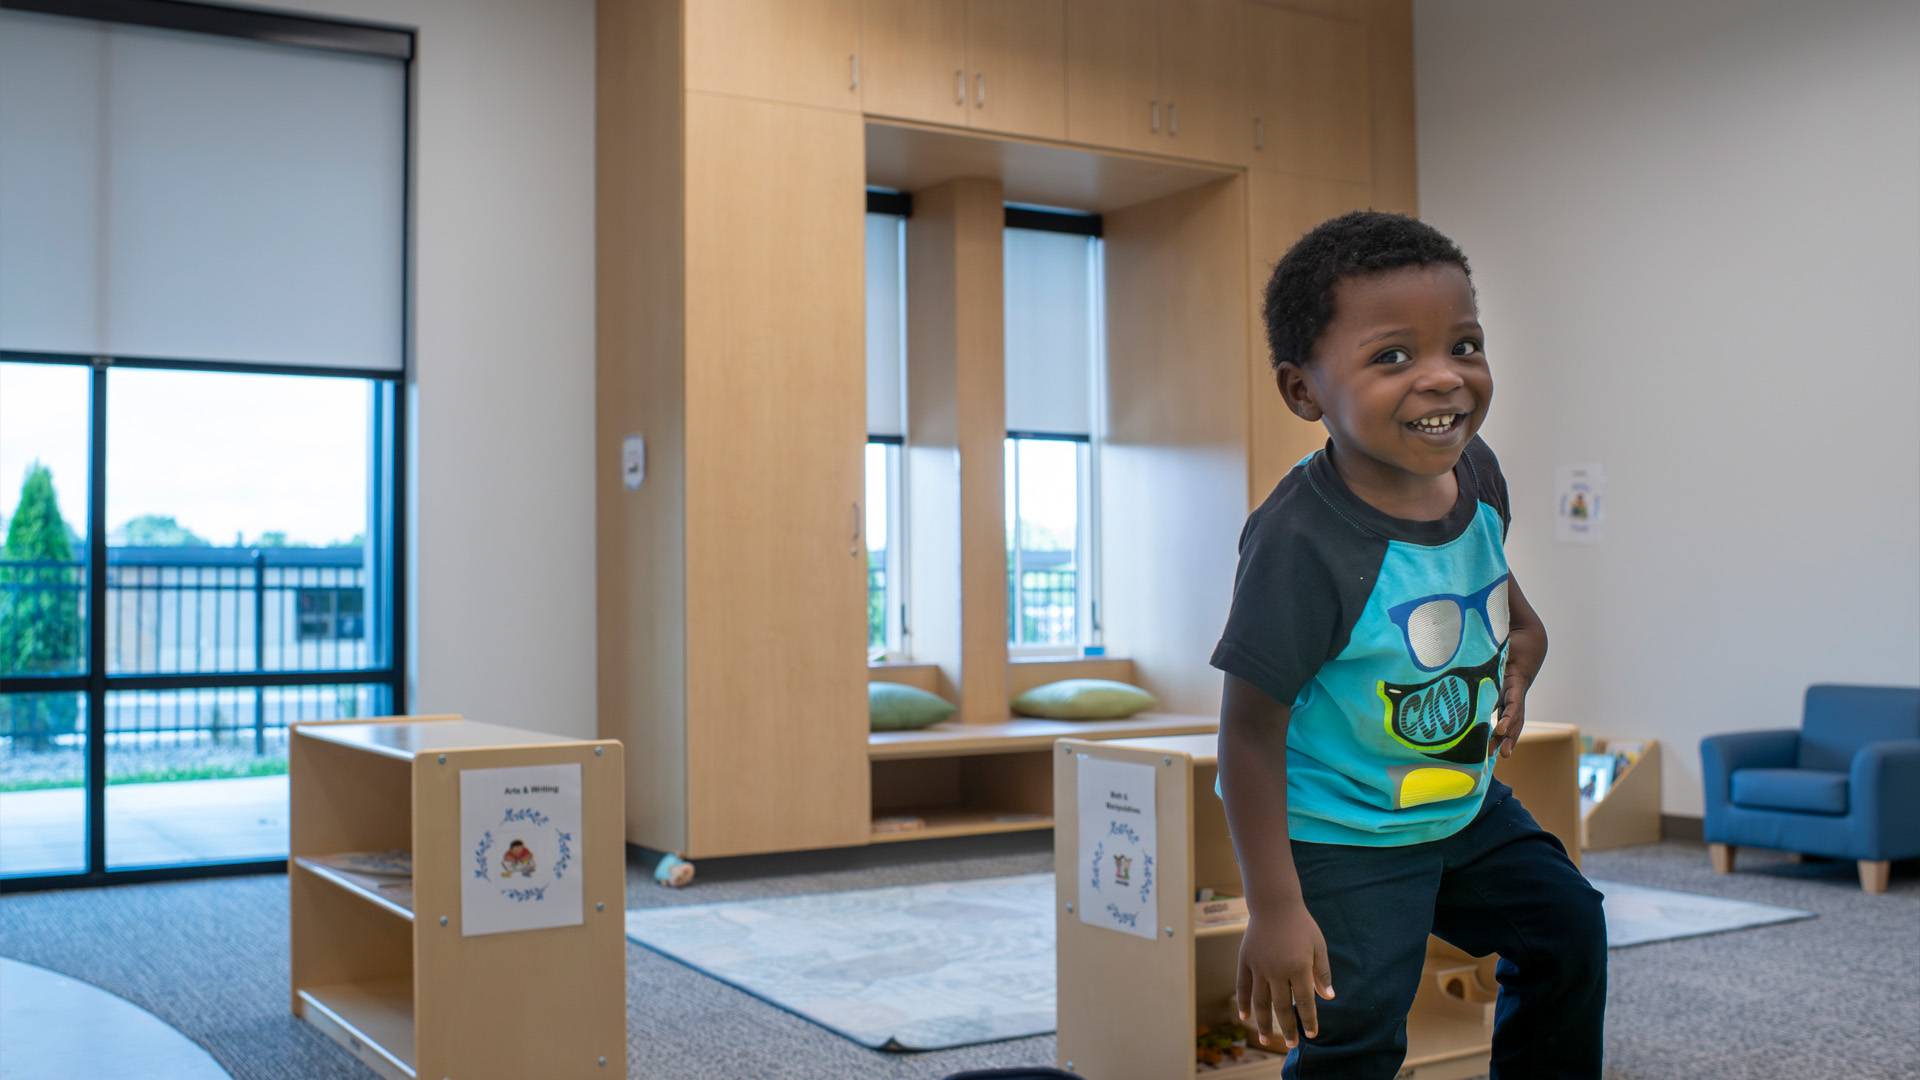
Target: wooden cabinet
{"points": [[1113, 86], [913, 56], [1160, 76], [1017, 61], [1308, 107], [805, 52]]}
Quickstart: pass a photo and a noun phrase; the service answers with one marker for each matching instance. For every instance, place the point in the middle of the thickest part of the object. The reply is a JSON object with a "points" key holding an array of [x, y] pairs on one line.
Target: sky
{"points": [[221, 454]]}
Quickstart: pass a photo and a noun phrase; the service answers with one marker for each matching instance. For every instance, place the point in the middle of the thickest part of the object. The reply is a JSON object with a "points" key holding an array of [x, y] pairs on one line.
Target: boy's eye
{"points": [[1468, 347], [1393, 356]]}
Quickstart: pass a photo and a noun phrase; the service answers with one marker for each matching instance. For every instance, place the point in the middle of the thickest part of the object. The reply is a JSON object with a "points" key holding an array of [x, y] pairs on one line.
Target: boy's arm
{"points": [[1283, 958], [1526, 651]]}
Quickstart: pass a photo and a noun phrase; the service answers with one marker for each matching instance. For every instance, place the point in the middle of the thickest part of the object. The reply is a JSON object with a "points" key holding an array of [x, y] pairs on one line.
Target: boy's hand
{"points": [[1526, 651], [1283, 964]]}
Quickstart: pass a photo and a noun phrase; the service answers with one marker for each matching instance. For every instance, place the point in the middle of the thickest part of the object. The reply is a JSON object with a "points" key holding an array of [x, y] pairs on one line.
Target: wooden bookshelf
{"points": [[379, 962], [1129, 1006], [1630, 812]]}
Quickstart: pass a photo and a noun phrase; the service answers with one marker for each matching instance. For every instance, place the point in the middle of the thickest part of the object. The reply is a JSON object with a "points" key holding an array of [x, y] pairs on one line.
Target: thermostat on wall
{"points": [[633, 462]]}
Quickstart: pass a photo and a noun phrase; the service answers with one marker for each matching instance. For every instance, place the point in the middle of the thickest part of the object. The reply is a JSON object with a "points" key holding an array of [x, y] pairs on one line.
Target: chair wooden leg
{"points": [[1874, 874], [1795, 856], [1722, 856]]}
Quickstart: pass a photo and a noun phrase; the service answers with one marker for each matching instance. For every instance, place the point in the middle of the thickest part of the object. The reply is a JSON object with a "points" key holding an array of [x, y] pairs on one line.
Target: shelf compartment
{"points": [[962, 821], [372, 1020], [384, 893]]}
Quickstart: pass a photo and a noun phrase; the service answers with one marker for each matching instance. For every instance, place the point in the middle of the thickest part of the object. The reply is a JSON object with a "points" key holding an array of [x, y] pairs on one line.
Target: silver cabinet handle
{"points": [[960, 88], [1259, 134], [1173, 118], [980, 91], [853, 69], [853, 547], [1153, 108]]}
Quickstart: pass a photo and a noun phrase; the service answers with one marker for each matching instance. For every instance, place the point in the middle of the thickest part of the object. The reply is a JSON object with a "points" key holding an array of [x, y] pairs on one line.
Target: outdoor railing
{"points": [[193, 611]]}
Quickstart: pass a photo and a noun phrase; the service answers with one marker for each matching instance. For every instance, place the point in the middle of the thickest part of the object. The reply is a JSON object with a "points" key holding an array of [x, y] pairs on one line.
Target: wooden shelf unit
{"points": [[1129, 1006], [409, 996], [1630, 813]]}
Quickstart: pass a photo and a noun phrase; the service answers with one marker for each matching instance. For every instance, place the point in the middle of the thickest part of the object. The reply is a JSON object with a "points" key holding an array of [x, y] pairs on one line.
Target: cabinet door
{"points": [[1017, 64], [1307, 94], [1200, 78], [1112, 94], [1280, 208], [775, 396], [913, 59], [799, 51]]}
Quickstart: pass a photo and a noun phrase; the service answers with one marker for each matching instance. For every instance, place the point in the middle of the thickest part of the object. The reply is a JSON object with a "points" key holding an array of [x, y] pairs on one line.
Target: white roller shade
{"points": [[1050, 334], [886, 320], [171, 194]]}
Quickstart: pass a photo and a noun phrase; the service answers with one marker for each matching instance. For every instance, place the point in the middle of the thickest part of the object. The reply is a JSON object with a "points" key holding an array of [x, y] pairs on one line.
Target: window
{"points": [[1054, 354], [886, 426], [202, 289]]}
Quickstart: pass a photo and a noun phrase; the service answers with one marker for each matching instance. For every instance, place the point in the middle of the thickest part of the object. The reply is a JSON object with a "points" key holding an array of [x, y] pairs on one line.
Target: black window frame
{"points": [[371, 39]]}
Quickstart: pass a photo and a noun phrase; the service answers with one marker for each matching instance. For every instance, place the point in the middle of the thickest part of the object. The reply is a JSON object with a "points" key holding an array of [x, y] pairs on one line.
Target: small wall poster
{"points": [[520, 849], [1580, 493], [1118, 878]]}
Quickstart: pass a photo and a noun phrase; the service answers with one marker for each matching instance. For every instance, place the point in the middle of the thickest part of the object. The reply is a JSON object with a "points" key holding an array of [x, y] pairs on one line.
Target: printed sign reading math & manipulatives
{"points": [[1118, 841], [521, 856]]}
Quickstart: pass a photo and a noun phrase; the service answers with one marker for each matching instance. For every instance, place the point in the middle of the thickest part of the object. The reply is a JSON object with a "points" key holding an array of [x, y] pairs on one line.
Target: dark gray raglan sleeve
{"points": [[1493, 483], [1286, 619]]}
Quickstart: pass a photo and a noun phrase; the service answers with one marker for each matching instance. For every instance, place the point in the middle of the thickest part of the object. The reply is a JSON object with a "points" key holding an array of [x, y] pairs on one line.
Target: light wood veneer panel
{"points": [[1020, 48], [1307, 84], [639, 388], [775, 391], [913, 60], [1112, 74], [797, 51]]}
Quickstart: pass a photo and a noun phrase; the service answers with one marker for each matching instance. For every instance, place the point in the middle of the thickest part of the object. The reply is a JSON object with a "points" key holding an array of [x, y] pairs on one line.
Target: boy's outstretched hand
{"points": [[1283, 965], [1526, 651]]}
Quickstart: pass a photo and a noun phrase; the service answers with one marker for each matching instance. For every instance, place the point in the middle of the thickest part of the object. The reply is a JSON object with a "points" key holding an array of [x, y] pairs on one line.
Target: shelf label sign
{"points": [[521, 857], [1118, 877]]}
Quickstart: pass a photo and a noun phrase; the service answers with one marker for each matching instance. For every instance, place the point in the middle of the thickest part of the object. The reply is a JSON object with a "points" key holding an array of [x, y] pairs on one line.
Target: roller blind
{"points": [[185, 195], [1050, 334], [886, 320]]}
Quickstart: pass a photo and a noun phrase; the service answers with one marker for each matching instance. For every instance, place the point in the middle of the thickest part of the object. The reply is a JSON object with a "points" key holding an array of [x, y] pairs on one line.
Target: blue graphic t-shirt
{"points": [[1388, 637]]}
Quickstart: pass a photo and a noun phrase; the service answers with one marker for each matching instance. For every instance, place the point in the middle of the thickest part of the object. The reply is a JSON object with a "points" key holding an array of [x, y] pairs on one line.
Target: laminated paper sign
{"points": [[1118, 878], [520, 865]]}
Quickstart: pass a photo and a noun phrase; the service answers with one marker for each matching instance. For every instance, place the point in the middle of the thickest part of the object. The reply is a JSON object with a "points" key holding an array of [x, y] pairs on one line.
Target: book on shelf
{"points": [[393, 862]]}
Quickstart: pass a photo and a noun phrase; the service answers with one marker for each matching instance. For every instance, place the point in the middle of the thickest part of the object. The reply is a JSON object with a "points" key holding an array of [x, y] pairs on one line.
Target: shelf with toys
{"points": [[1156, 1001]]}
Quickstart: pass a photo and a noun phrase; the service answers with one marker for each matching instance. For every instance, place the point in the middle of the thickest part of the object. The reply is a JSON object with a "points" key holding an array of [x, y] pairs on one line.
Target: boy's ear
{"points": [[1294, 390]]}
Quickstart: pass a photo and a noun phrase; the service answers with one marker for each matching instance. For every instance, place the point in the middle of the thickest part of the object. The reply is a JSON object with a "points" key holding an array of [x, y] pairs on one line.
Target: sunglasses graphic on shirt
{"points": [[1433, 627], [1436, 717]]}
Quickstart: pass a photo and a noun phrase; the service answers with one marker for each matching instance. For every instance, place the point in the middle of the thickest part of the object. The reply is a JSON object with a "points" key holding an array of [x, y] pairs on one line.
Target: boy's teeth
{"points": [[1436, 423]]}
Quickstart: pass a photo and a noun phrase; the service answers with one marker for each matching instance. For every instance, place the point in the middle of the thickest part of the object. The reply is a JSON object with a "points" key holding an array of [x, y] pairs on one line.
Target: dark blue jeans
{"points": [[1501, 885]]}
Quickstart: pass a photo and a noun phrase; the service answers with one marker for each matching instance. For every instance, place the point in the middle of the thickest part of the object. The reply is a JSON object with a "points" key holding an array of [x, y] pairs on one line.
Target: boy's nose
{"points": [[1438, 375]]}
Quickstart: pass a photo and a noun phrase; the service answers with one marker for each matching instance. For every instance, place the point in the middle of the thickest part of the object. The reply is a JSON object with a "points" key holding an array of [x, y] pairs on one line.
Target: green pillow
{"points": [[1083, 699], [893, 706]]}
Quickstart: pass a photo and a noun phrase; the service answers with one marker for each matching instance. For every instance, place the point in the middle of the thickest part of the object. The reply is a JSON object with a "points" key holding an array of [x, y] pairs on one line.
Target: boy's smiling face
{"points": [[1400, 378]]}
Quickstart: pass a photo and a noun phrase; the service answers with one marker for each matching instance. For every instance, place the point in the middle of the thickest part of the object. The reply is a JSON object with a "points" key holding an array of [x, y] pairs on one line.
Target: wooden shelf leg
{"points": [[1722, 856], [1874, 874]]}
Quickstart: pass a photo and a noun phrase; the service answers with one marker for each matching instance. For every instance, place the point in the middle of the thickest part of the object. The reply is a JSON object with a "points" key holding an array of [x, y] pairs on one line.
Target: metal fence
{"points": [[193, 611]]}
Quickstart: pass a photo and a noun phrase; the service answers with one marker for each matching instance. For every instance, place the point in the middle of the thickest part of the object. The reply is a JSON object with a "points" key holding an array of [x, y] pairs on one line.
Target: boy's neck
{"points": [[1395, 492]]}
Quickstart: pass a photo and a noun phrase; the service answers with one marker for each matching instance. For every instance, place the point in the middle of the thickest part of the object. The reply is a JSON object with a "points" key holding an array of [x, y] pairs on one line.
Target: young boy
{"points": [[1377, 656]]}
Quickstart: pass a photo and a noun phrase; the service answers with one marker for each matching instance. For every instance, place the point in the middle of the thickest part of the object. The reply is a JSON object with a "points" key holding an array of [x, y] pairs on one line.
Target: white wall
{"points": [[1695, 227], [501, 528]]}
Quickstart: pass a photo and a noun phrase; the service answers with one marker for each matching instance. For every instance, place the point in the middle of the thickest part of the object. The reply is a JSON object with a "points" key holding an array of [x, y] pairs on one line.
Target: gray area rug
{"points": [[1637, 915], [1837, 996], [911, 967]]}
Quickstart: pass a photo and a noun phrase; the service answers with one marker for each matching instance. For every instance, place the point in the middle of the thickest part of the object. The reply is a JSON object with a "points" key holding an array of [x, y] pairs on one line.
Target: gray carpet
{"points": [[1837, 996]]}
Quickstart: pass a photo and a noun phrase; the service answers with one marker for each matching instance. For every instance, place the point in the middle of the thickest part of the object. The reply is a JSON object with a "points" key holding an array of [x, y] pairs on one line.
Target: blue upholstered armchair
{"points": [[1846, 785]]}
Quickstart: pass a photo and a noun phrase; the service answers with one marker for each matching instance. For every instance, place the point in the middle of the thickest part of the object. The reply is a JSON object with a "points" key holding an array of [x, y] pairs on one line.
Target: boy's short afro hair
{"points": [[1299, 298]]}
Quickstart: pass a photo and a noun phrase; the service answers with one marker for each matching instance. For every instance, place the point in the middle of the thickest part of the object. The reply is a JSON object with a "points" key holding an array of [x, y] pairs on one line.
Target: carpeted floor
{"points": [[1837, 996]]}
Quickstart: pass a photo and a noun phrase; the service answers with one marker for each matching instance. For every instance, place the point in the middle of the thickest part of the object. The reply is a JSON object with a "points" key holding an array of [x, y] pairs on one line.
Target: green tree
{"points": [[40, 591], [160, 530]]}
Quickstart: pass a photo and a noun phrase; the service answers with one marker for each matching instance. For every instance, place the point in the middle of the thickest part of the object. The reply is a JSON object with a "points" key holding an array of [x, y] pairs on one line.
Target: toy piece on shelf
{"points": [[673, 871], [898, 823], [1212, 908]]}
